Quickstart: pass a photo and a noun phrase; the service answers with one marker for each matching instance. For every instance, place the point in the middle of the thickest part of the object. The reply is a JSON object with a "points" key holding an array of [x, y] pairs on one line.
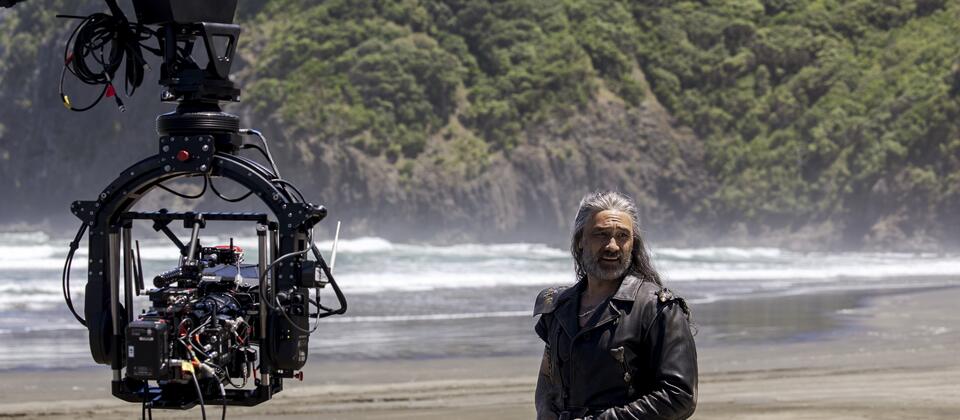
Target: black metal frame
{"points": [[283, 349], [183, 396], [197, 140]]}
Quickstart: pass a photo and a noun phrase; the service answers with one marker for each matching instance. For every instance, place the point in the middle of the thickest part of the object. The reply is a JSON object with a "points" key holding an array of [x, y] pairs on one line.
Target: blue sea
{"points": [[410, 301]]}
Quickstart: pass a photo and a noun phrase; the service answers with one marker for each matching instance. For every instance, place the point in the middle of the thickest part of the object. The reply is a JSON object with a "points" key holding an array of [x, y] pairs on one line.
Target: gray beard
{"points": [[591, 266]]}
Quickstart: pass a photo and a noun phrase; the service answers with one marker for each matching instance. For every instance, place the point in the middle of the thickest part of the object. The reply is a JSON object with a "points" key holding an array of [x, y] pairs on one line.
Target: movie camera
{"points": [[213, 323]]}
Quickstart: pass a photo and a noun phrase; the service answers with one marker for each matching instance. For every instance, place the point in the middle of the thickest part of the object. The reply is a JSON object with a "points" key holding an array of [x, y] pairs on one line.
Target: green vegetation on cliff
{"points": [[812, 112], [387, 75], [816, 111], [817, 115]]}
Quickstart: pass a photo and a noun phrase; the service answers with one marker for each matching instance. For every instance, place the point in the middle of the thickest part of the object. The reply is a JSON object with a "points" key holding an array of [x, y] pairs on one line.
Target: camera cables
{"points": [[66, 273], [98, 47]]}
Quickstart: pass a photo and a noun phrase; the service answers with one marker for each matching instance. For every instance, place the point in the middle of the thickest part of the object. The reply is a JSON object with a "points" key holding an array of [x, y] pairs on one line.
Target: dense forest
{"points": [[810, 124]]}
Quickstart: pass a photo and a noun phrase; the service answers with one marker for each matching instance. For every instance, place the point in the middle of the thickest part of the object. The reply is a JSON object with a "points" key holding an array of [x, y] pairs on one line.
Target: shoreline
{"points": [[63, 232], [897, 361], [814, 241]]}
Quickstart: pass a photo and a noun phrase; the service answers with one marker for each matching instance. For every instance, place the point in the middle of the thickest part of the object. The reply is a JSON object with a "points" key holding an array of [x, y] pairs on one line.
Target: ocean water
{"points": [[422, 301]]}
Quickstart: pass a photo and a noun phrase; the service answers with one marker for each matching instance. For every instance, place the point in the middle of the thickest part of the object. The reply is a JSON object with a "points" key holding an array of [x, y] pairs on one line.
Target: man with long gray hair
{"points": [[618, 344]]}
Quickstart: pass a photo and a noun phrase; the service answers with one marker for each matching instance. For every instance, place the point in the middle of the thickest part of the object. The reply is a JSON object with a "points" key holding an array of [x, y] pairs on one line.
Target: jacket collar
{"points": [[628, 289], [626, 292], [567, 303]]}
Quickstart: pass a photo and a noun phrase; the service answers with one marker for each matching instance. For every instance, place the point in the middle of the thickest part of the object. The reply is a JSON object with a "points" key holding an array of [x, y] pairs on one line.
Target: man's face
{"points": [[607, 245]]}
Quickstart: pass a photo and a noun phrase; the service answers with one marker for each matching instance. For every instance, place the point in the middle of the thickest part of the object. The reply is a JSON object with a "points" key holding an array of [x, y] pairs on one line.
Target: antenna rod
{"points": [[333, 257]]}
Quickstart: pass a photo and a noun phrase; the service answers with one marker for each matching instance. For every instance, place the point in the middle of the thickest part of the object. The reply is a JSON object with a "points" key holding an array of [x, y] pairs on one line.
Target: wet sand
{"points": [[894, 357]]}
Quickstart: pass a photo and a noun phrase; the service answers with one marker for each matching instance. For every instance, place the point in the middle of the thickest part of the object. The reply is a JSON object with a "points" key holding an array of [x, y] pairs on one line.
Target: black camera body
{"points": [[159, 12], [195, 313]]}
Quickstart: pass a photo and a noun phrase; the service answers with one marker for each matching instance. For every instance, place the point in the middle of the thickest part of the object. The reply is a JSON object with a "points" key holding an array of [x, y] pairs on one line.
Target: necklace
{"points": [[589, 312]]}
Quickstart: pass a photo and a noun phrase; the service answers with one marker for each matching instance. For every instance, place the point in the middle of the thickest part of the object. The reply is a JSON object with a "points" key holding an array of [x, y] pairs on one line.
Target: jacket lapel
{"points": [[610, 312], [626, 293], [628, 289], [568, 303], [567, 309]]}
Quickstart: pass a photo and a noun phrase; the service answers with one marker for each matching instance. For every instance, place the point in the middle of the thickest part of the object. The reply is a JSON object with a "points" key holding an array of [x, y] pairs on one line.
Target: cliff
{"points": [[803, 124]]}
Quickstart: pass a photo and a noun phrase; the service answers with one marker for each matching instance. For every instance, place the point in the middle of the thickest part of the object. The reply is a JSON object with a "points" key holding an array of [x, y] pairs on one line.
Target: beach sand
{"points": [[894, 357]]}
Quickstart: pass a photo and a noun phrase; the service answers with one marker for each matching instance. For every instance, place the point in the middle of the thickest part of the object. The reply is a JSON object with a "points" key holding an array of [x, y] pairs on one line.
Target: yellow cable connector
{"points": [[186, 366], [66, 102]]}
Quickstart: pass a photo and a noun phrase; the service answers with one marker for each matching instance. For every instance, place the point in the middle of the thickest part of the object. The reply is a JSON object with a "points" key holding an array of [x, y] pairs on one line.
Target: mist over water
{"points": [[414, 301]]}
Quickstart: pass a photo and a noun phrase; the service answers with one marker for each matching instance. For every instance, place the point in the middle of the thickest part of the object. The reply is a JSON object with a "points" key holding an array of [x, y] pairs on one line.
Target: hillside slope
{"points": [[800, 123]]}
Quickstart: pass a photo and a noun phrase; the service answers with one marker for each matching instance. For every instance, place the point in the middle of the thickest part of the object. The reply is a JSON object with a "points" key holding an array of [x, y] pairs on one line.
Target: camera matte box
{"points": [[157, 12], [147, 350]]}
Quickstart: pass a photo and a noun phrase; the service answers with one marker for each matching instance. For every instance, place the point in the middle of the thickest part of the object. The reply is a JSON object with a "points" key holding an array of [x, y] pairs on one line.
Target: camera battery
{"points": [[311, 275], [147, 350]]}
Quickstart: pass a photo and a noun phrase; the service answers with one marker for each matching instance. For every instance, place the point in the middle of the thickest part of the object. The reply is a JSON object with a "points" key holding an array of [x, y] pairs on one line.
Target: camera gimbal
{"points": [[198, 139]]}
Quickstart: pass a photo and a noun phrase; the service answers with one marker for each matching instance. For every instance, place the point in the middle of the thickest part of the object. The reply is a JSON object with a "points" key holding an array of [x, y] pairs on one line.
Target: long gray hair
{"points": [[595, 202]]}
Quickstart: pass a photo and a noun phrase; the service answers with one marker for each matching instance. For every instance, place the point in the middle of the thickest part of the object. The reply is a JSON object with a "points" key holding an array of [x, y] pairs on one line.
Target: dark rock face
{"points": [[529, 193]]}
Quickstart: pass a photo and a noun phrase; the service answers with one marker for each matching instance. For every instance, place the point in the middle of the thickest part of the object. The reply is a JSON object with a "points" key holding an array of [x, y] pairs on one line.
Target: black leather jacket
{"points": [[635, 358]]}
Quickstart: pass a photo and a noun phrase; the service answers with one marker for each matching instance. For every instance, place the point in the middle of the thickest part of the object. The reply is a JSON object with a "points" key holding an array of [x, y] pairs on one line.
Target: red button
{"points": [[183, 155]]}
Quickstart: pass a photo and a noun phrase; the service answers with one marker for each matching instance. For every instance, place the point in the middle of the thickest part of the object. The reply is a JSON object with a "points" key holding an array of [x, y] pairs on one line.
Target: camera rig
{"points": [[206, 324]]}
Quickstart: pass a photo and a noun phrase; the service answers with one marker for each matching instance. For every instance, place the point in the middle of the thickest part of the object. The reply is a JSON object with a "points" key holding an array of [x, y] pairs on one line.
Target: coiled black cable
{"points": [[65, 278], [96, 50], [196, 383], [323, 311]]}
